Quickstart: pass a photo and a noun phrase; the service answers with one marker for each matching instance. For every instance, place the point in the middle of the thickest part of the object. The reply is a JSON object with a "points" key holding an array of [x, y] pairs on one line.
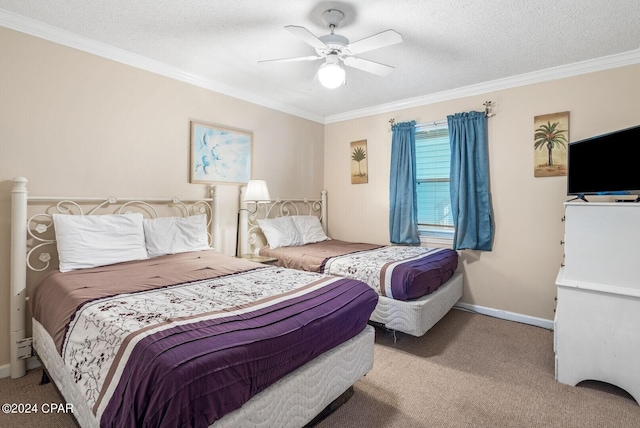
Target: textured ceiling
{"points": [[448, 44]]}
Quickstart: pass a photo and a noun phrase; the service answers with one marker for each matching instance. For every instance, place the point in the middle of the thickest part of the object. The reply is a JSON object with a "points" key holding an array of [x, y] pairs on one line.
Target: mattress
{"points": [[170, 352], [290, 402]]}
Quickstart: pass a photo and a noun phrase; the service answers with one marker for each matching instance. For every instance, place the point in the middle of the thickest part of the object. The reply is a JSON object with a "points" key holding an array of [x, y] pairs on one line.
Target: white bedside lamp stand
{"points": [[255, 192]]}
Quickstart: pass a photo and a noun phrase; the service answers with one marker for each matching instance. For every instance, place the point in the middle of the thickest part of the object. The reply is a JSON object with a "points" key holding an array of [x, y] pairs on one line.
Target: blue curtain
{"points": [[470, 198], [403, 198]]}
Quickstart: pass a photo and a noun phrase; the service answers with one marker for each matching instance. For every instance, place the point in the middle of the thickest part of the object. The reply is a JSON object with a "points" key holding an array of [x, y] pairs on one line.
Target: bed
{"points": [[417, 286], [184, 336]]}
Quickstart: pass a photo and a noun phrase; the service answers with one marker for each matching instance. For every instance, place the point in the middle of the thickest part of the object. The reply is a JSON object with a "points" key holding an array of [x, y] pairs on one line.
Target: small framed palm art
{"points": [[550, 140], [359, 172]]}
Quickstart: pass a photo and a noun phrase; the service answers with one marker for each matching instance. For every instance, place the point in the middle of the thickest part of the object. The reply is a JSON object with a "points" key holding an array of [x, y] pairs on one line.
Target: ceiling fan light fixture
{"points": [[331, 74], [336, 50]]}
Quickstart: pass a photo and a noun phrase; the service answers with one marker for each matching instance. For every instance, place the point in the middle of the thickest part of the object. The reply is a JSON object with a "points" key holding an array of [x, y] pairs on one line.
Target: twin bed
{"points": [[142, 325], [417, 286]]}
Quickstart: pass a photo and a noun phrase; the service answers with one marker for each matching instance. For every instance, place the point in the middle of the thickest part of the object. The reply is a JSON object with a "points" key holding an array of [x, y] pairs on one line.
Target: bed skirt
{"points": [[416, 317]]}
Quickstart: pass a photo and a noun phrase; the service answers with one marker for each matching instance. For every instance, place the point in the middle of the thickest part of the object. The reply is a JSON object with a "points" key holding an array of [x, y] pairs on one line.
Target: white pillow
{"points": [[280, 232], [86, 241], [309, 228], [173, 235]]}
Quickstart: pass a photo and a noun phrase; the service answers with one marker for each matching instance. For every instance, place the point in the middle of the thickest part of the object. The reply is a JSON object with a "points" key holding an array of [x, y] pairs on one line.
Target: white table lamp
{"points": [[256, 192]]}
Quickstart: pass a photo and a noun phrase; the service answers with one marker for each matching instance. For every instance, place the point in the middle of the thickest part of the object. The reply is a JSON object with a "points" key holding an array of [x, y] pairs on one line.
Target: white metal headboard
{"points": [[251, 238], [33, 241]]}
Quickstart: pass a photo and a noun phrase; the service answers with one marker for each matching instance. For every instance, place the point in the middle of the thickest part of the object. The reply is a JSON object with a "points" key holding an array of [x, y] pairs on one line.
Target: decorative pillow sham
{"points": [[86, 241], [309, 228], [173, 235], [280, 232]]}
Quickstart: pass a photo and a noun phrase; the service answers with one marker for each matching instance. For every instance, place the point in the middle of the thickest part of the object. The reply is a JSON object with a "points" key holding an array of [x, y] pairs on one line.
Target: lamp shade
{"points": [[331, 74], [257, 191]]}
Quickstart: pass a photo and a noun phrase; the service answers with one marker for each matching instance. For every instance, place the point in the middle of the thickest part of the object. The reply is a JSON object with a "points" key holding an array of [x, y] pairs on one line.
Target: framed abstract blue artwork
{"points": [[219, 155]]}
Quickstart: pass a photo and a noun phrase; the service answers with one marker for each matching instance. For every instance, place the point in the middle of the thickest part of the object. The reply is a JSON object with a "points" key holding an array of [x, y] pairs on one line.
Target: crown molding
{"points": [[66, 38], [554, 73], [54, 34]]}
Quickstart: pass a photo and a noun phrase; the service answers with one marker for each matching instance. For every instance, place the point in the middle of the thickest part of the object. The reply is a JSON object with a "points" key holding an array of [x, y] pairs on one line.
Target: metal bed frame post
{"points": [[323, 221], [243, 220], [17, 322], [214, 229]]}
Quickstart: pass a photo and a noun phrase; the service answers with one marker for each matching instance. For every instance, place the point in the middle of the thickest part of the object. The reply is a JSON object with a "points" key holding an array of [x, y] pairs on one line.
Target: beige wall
{"points": [[75, 124], [519, 274]]}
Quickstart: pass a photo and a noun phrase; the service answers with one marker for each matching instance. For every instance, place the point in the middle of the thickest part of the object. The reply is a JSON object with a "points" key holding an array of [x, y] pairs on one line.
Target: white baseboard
{"points": [[505, 315], [5, 370]]}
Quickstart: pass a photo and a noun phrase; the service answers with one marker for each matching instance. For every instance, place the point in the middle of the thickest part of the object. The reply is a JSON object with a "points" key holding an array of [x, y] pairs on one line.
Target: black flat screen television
{"points": [[605, 165]]}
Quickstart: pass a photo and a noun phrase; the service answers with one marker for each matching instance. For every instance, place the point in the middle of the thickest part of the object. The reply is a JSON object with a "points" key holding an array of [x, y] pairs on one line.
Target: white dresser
{"points": [[597, 322]]}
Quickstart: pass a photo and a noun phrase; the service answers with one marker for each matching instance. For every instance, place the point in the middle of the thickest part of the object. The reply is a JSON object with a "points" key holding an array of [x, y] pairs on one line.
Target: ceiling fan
{"points": [[336, 49]]}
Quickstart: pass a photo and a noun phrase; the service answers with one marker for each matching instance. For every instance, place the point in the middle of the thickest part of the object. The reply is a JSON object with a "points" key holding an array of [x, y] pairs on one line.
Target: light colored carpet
{"points": [[472, 370], [469, 370]]}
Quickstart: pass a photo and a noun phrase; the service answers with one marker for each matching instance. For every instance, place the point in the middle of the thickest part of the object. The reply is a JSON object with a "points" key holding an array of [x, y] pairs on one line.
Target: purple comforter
{"points": [[421, 276], [194, 374]]}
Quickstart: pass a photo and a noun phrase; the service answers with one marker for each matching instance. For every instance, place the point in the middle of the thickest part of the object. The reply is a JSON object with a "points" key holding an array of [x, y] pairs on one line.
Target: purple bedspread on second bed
{"points": [[417, 278]]}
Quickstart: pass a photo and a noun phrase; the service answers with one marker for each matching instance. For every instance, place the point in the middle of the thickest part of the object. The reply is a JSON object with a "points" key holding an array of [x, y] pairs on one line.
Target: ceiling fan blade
{"points": [[306, 36], [380, 40], [369, 66], [299, 58]]}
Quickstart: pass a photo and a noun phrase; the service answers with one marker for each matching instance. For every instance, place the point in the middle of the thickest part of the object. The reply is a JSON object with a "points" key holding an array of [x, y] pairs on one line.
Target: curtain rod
{"points": [[488, 105], [434, 123]]}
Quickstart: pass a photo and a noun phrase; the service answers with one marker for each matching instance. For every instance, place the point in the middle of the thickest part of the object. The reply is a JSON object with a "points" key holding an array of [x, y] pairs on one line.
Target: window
{"points": [[433, 155]]}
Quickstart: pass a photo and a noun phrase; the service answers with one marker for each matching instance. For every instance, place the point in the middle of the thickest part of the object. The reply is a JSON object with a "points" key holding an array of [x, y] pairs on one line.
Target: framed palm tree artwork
{"points": [[550, 140], [359, 171]]}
